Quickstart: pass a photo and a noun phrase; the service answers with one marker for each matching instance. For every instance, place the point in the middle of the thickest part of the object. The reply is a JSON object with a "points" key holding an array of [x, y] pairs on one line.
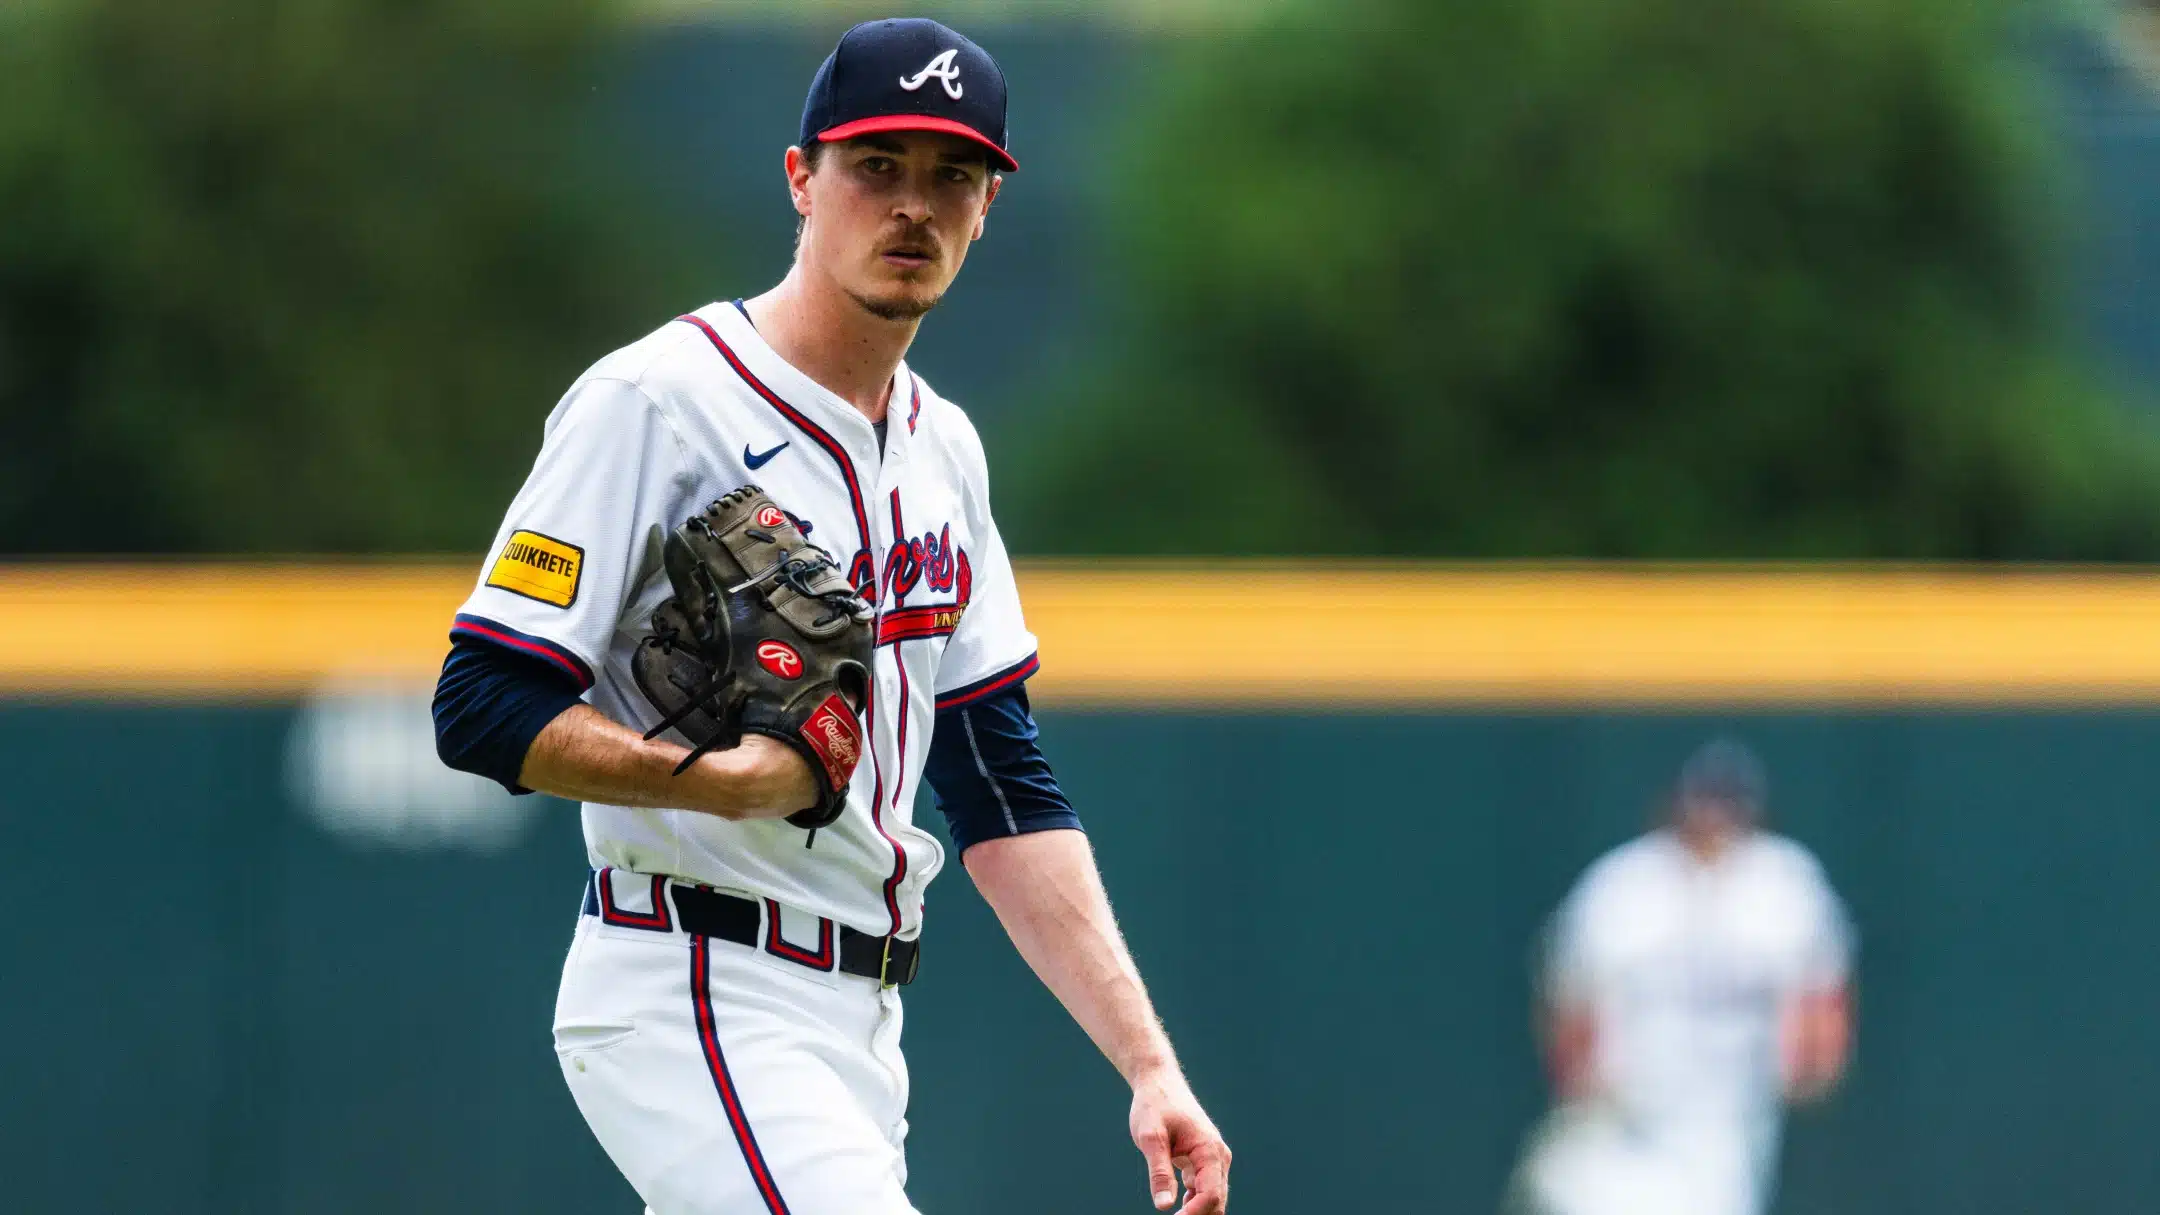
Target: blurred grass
{"points": [[1555, 278], [302, 278], [1124, 14]]}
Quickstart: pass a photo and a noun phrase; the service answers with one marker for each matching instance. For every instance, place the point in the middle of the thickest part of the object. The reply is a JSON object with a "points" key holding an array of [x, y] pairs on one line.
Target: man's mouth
{"points": [[908, 257]]}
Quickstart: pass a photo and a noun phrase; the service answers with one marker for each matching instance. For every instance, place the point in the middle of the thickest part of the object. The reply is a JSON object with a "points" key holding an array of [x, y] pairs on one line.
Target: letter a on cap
{"points": [[943, 69]]}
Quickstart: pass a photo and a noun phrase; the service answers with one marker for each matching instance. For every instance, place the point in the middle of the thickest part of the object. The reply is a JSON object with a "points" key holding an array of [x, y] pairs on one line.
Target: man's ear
{"points": [[798, 179], [996, 180]]}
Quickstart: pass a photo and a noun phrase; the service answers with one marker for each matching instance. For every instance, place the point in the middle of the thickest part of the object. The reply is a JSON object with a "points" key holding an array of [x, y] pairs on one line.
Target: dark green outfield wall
{"points": [[212, 1006]]}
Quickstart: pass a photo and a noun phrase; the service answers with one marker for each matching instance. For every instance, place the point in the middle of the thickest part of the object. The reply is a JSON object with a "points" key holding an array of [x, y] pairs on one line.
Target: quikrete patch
{"points": [[539, 567]]}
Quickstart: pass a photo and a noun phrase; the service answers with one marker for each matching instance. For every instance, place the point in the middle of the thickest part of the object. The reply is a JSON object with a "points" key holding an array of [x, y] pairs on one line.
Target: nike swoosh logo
{"points": [[760, 459]]}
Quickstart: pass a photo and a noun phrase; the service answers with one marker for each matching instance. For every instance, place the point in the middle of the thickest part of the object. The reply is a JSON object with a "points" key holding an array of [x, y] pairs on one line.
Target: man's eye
{"points": [[877, 164], [957, 175]]}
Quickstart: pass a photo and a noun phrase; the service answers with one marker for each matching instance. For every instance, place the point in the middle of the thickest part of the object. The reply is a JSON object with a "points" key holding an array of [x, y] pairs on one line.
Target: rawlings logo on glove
{"points": [[763, 636]]}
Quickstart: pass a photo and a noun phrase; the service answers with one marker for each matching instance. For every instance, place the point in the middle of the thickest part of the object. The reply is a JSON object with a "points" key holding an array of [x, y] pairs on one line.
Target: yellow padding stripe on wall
{"points": [[1218, 634]]}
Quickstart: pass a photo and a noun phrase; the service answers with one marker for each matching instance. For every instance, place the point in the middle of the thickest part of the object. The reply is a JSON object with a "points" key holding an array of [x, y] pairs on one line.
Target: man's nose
{"points": [[913, 203]]}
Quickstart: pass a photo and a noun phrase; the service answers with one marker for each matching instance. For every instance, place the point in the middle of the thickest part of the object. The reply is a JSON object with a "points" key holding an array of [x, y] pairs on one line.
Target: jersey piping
{"points": [[865, 580], [525, 643], [970, 693]]}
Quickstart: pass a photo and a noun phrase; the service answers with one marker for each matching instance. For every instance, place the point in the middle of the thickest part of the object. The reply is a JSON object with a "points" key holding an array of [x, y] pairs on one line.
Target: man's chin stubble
{"points": [[896, 310]]}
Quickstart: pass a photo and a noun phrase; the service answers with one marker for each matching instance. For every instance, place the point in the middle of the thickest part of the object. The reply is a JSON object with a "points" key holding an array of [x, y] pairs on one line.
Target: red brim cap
{"points": [[918, 122]]}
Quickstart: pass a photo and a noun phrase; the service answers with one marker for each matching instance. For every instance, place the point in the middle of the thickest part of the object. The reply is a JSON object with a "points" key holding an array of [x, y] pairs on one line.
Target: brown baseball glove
{"points": [[762, 636]]}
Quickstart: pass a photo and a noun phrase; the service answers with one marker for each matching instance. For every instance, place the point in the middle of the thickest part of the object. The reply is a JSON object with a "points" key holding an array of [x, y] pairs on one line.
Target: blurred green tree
{"points": [[296, 277], [1560, 278]]}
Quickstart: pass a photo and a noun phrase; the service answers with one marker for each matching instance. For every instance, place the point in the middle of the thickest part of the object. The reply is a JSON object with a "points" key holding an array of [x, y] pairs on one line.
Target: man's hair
{"points": [[812, 153]]}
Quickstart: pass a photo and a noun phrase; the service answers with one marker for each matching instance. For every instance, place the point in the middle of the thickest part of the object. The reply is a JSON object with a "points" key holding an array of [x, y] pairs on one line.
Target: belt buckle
{"points": [[885, 963]]}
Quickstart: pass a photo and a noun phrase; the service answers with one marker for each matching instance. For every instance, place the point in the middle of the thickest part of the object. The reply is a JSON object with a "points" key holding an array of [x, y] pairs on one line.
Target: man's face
{"points": [[1710, 817], [888, 218]]}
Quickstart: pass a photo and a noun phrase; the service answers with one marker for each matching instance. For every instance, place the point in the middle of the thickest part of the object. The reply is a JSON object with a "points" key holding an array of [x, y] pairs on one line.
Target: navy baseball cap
{"points": [[1726, 770], [908, 74]]}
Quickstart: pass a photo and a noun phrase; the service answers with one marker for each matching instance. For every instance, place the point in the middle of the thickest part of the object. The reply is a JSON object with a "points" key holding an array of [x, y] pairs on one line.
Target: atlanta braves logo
{"points": [[941, 69], [938, 558], [903, 568], [780, 658], [930, 559]]}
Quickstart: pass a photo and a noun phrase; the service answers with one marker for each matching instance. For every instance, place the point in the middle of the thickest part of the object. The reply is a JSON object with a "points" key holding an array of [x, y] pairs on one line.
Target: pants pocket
{"points": [[580, 1038]]}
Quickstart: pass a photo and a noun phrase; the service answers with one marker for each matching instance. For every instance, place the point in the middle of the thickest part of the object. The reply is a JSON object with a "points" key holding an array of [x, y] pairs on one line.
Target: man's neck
{"points": [[1708, 847], [827, 336]]}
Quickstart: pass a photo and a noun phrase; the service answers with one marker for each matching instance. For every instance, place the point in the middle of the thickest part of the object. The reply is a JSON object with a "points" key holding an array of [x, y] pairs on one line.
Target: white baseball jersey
{"points": [[648, 437], [1688, 971]]}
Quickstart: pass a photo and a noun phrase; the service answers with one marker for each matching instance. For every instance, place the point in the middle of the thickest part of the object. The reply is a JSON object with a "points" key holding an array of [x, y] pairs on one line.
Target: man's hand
{"points": [[1046, 892], [759, 777], [1174, 1133], [1817, 1041]]}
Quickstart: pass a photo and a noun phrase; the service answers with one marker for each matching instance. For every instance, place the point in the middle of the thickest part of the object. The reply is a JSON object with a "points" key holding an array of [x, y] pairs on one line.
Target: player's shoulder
{"points": [[1781, 857], [1645, 858], [656, 364], [1651, 851]]}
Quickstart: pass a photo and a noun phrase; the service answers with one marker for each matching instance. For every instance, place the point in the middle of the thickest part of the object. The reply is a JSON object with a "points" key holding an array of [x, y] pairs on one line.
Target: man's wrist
{"points": [[1156, 1070], [758, 778]]}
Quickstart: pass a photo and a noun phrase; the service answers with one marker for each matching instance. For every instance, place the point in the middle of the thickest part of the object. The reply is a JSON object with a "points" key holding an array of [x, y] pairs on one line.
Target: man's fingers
{"points": [[1207, 1182], [1154, 1144]]}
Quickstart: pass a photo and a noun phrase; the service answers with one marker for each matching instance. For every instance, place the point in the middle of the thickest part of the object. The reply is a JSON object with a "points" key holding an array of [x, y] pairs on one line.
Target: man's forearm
{"points": [[1818, 1038], [1047, 893], [585, 756]]}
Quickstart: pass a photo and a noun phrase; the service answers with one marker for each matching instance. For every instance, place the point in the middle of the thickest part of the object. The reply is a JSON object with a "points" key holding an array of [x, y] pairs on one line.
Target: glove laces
{"points": [[796, 570]]}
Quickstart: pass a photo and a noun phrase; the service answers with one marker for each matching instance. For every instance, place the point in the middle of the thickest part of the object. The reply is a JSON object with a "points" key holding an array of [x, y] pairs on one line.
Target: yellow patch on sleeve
{"points": [[539, 567]]}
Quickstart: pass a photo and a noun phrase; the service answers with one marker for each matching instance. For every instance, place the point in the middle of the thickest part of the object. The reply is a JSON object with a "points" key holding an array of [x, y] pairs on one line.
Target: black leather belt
{"points": [[726, 917]]}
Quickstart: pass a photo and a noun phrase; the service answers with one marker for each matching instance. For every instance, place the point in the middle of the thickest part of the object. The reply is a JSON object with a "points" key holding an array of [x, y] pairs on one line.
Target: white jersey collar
{"points": [[823, 406]]}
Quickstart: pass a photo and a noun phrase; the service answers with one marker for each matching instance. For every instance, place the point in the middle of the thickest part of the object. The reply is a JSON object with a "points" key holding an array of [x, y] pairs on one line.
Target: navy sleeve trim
{"points": [[987, 769], [989, 685], [468, 625], [491, 702]]}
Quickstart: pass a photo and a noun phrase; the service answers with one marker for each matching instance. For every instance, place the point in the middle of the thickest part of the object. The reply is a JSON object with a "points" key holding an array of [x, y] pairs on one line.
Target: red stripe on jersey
{"points": [[862, 526], [916, 623], [526, 643], [900, 537], [984, 687], [817, 434]]}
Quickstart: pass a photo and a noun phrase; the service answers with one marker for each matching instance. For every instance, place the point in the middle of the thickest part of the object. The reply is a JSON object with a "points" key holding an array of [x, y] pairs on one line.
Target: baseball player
{"points": [[729, 1017], [1697, 980]]}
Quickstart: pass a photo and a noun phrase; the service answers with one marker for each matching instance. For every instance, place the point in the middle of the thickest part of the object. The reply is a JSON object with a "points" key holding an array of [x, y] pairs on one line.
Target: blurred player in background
{"points": [[1697, 980]]}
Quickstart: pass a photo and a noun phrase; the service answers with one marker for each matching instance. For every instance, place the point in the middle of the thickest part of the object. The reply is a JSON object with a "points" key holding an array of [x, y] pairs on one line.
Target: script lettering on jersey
{"points": [[539, 567], [930, 560], [862, 574]]}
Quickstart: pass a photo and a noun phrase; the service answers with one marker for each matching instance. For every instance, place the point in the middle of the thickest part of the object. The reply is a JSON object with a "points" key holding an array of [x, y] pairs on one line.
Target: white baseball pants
{"points": [[727, 1080]]}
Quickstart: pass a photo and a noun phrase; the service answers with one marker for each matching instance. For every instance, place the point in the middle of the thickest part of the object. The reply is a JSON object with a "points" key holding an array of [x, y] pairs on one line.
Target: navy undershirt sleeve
{"points": [[987, 769], [490, 703]]}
